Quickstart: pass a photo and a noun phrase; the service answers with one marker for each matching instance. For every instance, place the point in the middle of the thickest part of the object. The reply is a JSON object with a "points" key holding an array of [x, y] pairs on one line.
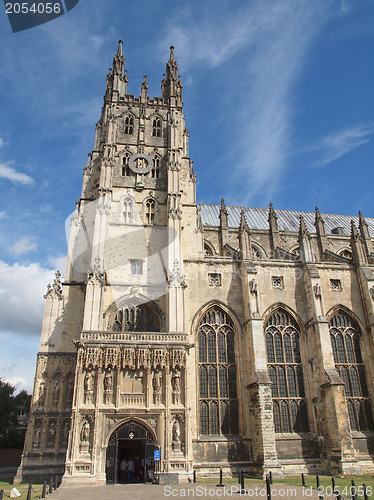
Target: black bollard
{"points": [[353, 490], [317, 481], [51, 485], [333, 483], [29, 492], [239, 471], [302, 480], [365, 492], [270, 477], [194, 476], [268, 488], [338, 497], [220, 477], [44, 491], [1, 494], [242, 487]]}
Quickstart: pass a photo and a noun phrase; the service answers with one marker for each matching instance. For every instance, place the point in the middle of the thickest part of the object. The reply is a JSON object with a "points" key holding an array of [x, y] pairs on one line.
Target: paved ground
{"points": [[200, 490]]}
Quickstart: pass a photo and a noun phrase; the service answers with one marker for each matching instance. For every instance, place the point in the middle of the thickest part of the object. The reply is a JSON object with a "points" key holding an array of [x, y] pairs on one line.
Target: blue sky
{"points": [[278, 98]]}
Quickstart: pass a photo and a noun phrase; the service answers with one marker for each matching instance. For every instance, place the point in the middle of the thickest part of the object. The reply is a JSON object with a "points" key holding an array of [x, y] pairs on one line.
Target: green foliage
{"points": [[12, 434]]}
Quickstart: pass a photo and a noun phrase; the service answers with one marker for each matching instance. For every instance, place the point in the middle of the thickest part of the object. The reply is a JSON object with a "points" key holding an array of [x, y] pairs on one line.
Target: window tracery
{"points": [[155, 172], [156, 127], [345, 342], [218, 401], [129, 125], [150, 208], [126, 172], [286, 373], [128, 210], [132, 318]]}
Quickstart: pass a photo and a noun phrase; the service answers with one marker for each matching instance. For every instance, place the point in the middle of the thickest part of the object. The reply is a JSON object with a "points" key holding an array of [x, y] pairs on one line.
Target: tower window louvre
{"points": [[156, 127], [129, 125], [150, 211]]}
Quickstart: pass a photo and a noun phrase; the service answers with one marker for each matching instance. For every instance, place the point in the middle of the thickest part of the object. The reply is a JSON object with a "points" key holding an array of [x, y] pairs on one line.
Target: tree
{"points": [[12, 407]]}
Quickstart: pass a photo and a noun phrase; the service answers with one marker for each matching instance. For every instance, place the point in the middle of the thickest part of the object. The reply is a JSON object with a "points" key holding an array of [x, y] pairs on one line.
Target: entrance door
{"points": [[132, 441]]}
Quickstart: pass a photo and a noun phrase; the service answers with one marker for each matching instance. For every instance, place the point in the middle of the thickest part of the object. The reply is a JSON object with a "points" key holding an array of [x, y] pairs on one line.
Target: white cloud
{"points": [[20, 383], [58, 263], [7, 172], [23, 246], [2, 142], [271, 40], [21, 297], [334, 146]]}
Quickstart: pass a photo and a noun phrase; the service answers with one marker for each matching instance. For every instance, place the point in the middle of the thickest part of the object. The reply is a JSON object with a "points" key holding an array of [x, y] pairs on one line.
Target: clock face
{"points": [[140, 163]]}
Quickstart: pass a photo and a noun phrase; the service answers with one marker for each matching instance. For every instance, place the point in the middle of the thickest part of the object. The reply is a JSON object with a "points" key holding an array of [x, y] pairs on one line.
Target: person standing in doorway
{"points": [[130, 470], [123, 469]]}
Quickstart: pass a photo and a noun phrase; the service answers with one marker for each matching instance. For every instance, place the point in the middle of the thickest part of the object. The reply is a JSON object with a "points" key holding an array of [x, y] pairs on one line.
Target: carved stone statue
{"points": [[51, 435], [85, 432], [176, 431], [176, 385], [41, 393], [89, 381], [37, 436], [56, 394], [157, 387], [108, 386]]}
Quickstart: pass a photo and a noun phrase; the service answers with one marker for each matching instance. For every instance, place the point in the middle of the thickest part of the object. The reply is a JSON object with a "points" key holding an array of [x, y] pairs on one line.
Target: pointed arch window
{"points": [[129, 125], [286, 373], [156, 127], [155, 172], [132, 318], [345, 342], [218, 404], [126, 172], [128, 210], [150, 209]]}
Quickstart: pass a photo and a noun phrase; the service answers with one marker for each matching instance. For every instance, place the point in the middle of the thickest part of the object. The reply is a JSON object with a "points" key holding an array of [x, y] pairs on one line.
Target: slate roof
{"points": [[288, 220]]}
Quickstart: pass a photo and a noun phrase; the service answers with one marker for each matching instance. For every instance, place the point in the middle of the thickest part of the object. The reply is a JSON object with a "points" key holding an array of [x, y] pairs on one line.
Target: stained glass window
{"points": [[345, 342], [217, 374], [286, 373]]}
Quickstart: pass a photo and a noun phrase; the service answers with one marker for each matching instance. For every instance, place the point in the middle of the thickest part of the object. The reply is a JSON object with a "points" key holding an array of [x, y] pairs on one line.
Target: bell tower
{"points": [[118, 315]]}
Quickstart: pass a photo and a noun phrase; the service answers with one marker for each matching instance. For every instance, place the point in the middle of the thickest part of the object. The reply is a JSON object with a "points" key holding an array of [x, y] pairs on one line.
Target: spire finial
{"points": [[172, 57], [119, 51], [303, 231]]}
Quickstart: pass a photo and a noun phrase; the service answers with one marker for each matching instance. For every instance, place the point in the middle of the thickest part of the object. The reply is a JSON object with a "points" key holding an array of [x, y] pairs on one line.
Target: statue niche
{"points": [[136, 318]]}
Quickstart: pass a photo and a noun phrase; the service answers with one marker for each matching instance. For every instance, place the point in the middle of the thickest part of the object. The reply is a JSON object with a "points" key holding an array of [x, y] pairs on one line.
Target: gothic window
{"points": [[126, 172], [155, 172], [286, 373], [207, 251], [136, 319], [128, 210], [218, 402], [345, 253], [150, 208], [156, 127], [129, 125], [345, 341]]}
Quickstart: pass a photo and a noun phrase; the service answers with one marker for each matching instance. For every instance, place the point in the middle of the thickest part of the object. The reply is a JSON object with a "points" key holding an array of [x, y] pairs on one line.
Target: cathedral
{"points": [[189, 336]]}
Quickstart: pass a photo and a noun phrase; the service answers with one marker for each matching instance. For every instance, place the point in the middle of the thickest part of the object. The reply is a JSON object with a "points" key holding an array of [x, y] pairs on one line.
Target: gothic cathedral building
{"points": [[213, 335]]}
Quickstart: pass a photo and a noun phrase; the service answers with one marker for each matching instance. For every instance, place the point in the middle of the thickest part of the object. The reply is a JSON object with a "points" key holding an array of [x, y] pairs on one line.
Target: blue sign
{"points": [[157, 455]]}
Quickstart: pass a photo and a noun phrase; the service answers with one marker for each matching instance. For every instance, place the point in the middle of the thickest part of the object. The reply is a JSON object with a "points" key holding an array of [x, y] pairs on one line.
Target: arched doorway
{"points": [[131, 440]]}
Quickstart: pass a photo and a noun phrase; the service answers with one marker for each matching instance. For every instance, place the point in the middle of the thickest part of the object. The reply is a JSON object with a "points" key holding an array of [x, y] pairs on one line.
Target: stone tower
{"points": [[111, 371]]}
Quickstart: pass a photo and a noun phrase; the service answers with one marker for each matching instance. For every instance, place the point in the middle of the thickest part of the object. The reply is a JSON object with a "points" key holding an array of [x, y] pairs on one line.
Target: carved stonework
{"points": [[36, 441], [157, 387], [96, 276], [51, 434], [55, 291], [89, 383], [175, 278], [371, 290], [108, 386], [317, 291], [176, 386]]}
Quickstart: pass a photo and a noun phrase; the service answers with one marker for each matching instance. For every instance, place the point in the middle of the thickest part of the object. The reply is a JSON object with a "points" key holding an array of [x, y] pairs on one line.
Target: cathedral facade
{"points": [[215, 336]]}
